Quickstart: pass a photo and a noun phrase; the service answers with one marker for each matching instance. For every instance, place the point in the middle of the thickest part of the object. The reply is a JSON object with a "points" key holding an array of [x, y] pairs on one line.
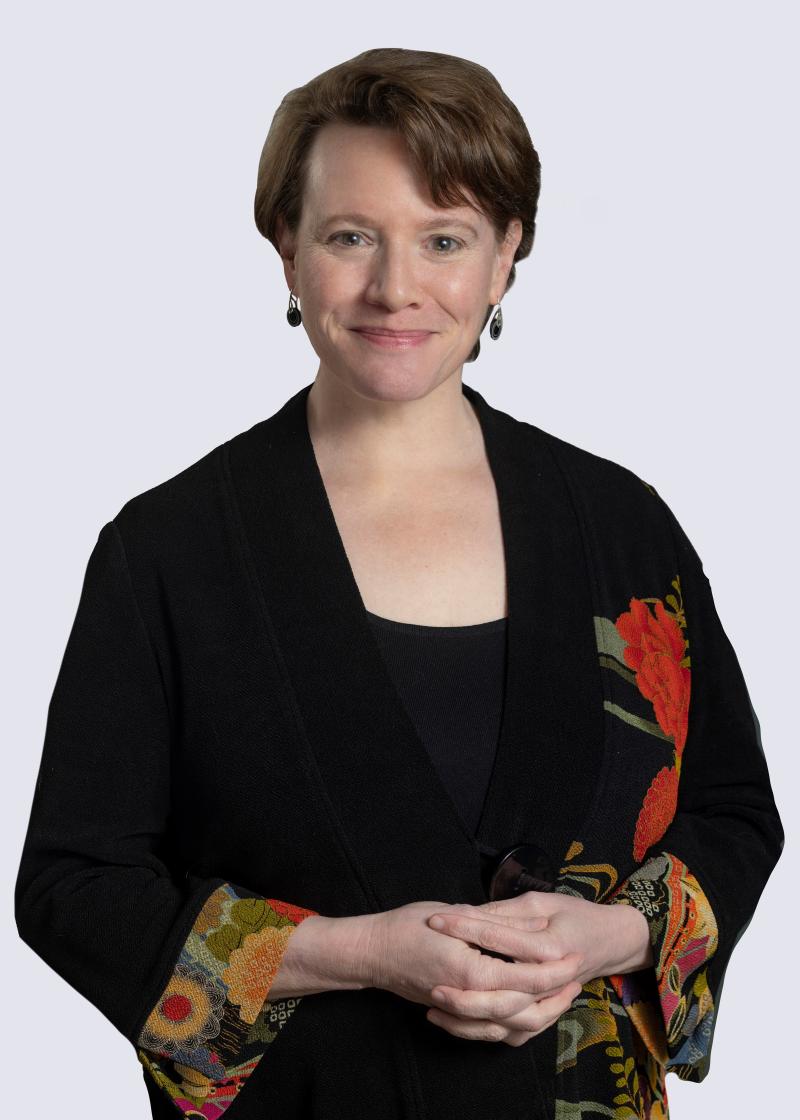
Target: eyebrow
{"points": [[434, 223]]}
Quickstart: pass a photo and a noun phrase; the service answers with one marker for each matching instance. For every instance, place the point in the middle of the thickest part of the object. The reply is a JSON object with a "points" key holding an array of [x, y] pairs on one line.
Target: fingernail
{"points": [[436, 923]]}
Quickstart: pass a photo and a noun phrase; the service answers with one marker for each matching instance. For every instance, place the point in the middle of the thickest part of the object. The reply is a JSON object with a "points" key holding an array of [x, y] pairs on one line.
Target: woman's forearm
{"points": [[324, 954]]}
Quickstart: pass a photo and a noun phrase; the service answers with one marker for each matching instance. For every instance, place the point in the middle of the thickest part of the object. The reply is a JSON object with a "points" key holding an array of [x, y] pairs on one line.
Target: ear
{"points": [[287, 248], [505, 259]]}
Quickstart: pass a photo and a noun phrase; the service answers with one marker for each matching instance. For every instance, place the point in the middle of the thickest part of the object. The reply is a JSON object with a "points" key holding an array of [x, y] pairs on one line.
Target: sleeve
{"points": [[182, 966], [699, 884]]}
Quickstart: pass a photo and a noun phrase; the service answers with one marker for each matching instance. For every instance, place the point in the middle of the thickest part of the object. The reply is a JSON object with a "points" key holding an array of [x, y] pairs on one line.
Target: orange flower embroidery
{"points": [[655, 649], [253, 967], [655, 815]]}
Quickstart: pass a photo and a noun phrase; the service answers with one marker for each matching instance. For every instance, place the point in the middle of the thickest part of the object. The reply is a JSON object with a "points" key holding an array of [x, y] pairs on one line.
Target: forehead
{"points": [[365, 170]]}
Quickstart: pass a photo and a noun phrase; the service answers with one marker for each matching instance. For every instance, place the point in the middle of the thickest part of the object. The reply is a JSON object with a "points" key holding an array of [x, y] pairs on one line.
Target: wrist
{"points": [[322, 954], [348, 951], [635, 937]]}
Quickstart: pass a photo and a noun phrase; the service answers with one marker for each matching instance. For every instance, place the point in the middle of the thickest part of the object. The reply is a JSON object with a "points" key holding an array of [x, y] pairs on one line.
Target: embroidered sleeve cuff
{"points": [[213, 1021], [671, 1004]]}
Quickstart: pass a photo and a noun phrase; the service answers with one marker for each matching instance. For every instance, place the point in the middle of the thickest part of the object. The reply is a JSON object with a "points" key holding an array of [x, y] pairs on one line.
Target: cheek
{"points": [[328, 285], [459, 291]]}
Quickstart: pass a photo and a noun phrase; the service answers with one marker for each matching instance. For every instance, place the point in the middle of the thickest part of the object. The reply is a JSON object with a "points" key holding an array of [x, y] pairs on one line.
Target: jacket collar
{"points": [[399, 825]]}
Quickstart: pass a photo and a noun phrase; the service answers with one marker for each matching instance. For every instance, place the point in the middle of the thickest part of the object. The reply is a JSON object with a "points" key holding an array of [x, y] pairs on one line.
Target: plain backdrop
{"points": [[654, 324]]}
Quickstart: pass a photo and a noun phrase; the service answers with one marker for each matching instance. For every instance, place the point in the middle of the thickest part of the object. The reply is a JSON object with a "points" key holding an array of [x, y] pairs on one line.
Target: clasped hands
{"points": [[556, 943]]}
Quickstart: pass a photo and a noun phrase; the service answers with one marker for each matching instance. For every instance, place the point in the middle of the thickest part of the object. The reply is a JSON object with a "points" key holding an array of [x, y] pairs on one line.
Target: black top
{"points": [[451, 681]]}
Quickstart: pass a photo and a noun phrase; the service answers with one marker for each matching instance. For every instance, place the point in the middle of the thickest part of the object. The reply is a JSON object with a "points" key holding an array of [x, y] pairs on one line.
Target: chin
{"points": [[393, 385], [392, 378]]}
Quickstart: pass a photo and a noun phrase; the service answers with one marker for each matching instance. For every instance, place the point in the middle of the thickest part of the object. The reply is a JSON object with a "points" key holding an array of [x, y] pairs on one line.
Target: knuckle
{"points": [[451, 1004], [494, 1033], [475, 974], [505, 1008], [540, 982], [489, 937]]}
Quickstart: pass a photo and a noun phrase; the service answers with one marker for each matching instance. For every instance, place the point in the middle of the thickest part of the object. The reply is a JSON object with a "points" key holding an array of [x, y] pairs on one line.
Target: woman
{"points": [[390, 656]]}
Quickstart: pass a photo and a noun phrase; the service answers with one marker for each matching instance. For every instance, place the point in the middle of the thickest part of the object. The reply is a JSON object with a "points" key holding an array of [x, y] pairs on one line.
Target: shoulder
{"points": [[607, 486], [171, 506], [191, 498], [626, 519], [622, 510], [599, 478]]}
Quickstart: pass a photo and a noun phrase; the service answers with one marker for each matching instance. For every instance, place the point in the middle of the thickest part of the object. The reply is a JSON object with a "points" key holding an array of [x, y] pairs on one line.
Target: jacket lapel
{"points": [[396, 820], [551, 740]]}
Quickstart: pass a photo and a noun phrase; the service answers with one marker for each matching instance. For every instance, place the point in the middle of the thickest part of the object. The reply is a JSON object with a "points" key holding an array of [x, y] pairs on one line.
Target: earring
{"points": [[293, 315]]}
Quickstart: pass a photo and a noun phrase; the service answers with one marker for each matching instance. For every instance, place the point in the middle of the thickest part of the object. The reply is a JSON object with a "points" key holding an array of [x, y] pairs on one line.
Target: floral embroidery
{"points": [[669, 1006], [655, 649], [624, 1032], [684, 936], [212, 1024], [660, 803]]}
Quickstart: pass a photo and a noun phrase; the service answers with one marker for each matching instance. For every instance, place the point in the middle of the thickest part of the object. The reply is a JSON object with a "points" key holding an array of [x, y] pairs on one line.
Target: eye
{"points": [[453, 241], [345, 233]]}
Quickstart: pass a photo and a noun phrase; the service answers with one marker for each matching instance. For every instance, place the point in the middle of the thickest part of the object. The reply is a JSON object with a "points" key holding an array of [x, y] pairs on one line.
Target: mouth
{"points": [[392, 340]]}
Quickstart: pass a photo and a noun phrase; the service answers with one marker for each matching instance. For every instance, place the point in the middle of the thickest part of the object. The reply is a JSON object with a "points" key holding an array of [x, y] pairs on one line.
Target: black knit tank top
{"points": [[451, 680]]}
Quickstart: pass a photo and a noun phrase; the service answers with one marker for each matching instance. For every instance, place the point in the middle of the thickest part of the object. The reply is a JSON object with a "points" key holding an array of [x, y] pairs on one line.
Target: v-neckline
{"points": [[478, 405], [376, 773]]}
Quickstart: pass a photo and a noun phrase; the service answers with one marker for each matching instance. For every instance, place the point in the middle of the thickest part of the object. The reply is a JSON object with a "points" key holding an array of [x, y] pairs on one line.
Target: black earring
{"points": [[293, 315]]}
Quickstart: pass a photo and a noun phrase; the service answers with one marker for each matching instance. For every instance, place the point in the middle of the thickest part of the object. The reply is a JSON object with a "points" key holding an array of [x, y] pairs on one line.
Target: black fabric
{"points": [[451, 681], [222, 714]]}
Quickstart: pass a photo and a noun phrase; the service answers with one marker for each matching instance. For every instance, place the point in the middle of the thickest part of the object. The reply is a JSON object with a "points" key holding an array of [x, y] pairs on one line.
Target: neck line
{"points": [[467, 629]]}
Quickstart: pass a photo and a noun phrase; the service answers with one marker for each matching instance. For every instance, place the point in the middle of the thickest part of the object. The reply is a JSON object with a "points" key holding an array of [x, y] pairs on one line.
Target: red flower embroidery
{"points": [[655, 815], [655, 648]]}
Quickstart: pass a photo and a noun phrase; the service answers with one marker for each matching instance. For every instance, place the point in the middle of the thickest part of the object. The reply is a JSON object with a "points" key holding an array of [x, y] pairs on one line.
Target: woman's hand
{"points": [[406, 956], [602, 940]]}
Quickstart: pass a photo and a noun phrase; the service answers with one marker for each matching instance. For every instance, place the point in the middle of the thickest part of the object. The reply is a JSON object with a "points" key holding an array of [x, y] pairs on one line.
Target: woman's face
{"points": [[373, 254]]}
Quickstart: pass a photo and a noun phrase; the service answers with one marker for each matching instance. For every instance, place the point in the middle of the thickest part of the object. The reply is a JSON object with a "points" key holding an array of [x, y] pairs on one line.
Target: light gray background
{"points": [[145, 324]]}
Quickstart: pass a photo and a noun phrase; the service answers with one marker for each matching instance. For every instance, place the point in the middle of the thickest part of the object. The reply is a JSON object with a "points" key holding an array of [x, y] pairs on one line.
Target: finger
{"points": [[538, 979], [491, 1003], [516, 1029], [519, 920], [519, 943], [527, 903], [545, 1012], [479, 1030], [467, 1004]]}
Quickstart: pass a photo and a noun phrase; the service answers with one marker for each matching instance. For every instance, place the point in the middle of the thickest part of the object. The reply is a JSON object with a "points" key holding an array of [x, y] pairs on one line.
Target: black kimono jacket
{"points": [[225, 754]]}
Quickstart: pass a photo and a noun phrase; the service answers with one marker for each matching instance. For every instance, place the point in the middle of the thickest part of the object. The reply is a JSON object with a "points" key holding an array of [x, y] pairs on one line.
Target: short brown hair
{"points": [[460, 127]]}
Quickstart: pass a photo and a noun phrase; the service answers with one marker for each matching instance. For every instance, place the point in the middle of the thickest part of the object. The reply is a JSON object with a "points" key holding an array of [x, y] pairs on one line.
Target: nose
{"points": [[394, 282]]}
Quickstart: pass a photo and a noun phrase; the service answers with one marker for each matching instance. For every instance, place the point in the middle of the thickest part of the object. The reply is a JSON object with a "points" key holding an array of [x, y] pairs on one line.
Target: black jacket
{"points": [[225, 753]]}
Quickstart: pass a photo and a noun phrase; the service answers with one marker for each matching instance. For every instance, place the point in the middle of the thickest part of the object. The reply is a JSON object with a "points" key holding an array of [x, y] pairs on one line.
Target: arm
{"points": [[698, 885], [164, 956], [326, 954]]}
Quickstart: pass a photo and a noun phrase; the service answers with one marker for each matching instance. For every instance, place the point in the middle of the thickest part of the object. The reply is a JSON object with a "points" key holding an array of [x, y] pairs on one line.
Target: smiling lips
{"points": [[392, 340]]}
